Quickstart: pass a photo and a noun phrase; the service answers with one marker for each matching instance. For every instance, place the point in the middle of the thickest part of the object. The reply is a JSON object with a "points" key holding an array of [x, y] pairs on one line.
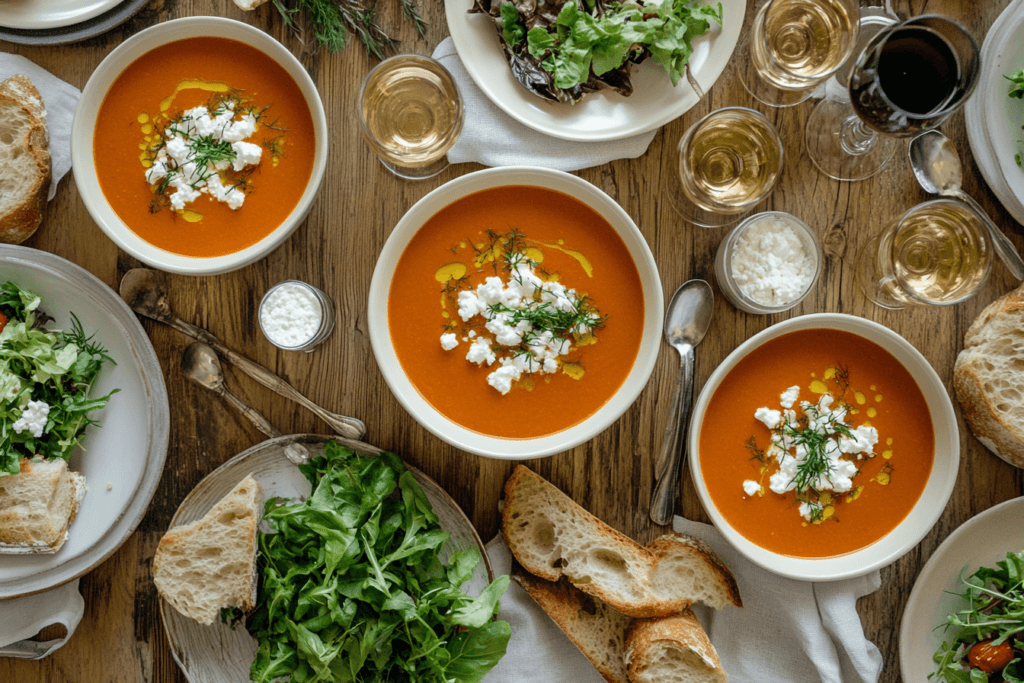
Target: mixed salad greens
{"points": [[353, 588], [1017, 92], [988, 644], [45, 379], [563, 49]]}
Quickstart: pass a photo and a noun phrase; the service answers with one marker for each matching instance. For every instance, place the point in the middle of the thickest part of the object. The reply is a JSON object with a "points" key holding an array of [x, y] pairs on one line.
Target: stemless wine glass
{"points": [[411, 113], [937, 253], [795, 45], [911, 77], [728, 162]]}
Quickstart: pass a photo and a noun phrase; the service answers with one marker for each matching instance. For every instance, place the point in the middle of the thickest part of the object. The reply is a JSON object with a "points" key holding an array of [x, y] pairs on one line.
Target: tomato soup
{"points": [[147, 103], [467, 242], [872, 388]]}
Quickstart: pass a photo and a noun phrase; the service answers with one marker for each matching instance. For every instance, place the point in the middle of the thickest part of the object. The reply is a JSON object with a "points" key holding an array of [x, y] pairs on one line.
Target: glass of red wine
{"points": [[911, 77]]}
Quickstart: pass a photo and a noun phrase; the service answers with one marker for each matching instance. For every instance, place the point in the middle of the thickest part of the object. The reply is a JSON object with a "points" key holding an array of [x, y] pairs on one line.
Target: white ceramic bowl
{"points": [[410, 398], [922, 516], [85, 123]]}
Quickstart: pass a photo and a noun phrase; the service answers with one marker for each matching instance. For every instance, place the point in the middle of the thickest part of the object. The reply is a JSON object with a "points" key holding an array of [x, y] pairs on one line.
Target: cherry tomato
{"points": [[988, 657], [3, 321]]}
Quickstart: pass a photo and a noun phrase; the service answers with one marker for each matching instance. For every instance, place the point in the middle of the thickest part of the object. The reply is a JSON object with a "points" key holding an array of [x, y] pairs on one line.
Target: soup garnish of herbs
{"points": [[516, 312], [816, 444]]}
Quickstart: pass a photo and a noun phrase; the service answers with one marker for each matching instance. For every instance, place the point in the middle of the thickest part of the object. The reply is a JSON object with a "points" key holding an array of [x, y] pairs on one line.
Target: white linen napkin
{"points": [[22, 618], [787, 630], [493, 138], [61, 100]]}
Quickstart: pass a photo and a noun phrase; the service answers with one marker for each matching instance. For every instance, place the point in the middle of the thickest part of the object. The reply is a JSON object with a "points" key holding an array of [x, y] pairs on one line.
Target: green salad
{"points": [[988, 641], [45, 380], [352, 586]]}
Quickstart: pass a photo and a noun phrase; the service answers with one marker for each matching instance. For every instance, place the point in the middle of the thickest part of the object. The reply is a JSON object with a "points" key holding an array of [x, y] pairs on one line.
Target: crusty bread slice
{"points": [[988, 381], [595, 628], [37, 506], [202, 567], [24, 159], [552, 536], [671, 650]]}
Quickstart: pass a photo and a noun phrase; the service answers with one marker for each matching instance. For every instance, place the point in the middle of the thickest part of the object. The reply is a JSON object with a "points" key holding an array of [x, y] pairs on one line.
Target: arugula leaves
{"points": [[353, 588], [994, 612], [1016, 92], [57, 368], [580, 41]]}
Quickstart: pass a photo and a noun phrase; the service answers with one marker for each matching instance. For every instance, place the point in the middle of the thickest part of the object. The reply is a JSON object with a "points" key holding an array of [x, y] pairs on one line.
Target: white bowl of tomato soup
{"points": [[583, 278], [258, 155], [825, 512]]}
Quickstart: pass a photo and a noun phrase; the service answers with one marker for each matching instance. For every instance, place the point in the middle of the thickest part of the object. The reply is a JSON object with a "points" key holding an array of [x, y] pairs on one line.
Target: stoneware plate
{"points": [[216, 654], [604, 115], [981, 541], [921, 517], [125, 454], [44, 14], [82, 28]]}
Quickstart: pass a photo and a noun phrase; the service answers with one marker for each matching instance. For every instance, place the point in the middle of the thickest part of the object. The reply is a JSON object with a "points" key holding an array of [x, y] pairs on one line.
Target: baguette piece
{"points": [[37, 506], [24, 159], [671, 650], [202, 567], [987, 377], [552, 536]]}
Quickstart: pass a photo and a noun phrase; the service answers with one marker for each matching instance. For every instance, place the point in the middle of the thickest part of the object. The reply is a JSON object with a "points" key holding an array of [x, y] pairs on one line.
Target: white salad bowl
{"points": [[922, 516], [413, 401], [85, 124]]}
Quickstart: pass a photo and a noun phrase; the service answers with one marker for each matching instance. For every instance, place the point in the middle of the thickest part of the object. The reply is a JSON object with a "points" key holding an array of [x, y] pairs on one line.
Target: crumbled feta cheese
{"points": [[449, 341], [246, 154], [770, 418], [480, 351], [863, 441], [33, 418], [769, 263], [789, 396], [751, 487]]}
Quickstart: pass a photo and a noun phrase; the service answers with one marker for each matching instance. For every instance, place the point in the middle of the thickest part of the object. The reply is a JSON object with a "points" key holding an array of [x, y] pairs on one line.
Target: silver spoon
{"points": [[686, 322], [937, 169], [201, 365], [145, 292]]}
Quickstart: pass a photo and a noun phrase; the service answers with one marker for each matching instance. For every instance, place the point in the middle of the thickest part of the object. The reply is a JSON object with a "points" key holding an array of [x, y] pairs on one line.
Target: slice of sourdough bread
{"points": [[37, 506], [24, 159], [671, 650], [552, 536], [202, 567]]}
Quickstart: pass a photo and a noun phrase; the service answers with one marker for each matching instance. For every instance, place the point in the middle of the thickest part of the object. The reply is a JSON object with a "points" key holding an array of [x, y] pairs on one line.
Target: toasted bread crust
{"points": [[37, 506], [23, 213], [682, 635], [668, 544]]}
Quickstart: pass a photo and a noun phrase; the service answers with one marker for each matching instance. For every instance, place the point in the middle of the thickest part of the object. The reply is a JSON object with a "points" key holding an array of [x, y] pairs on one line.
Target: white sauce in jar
{"points": [[291, 315], [770, 264]]}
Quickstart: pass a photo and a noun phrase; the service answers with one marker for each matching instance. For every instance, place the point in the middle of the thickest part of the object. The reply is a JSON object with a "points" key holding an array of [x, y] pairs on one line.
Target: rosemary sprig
{"points": [[334, 22]]}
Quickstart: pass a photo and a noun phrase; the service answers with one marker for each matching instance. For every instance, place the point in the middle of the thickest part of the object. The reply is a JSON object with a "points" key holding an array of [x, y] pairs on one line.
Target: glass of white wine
{"points": [[411, 113], [937, 253], [728, 162], [795, 45]]}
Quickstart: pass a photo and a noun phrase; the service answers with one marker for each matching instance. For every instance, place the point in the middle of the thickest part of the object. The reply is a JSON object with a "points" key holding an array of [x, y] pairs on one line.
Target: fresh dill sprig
{"points": [[412, 13], [816, 464], [334, 22], [756, 453]]}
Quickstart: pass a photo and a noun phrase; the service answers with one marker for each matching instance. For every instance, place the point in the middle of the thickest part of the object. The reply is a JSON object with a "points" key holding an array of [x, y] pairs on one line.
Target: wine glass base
{"points": [[416, 172], [837, 151], [871, 281], [763, 91], [699, 216]]}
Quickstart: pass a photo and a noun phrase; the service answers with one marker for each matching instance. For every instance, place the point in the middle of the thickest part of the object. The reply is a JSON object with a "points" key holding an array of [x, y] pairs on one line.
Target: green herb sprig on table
{"points": [[994, 615], [353, 588], [334, 22]]}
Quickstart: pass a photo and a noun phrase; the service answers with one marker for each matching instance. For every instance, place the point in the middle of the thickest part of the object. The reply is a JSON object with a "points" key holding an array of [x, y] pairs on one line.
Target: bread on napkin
{"points": [[988, 377], [24, 159], [37, 506], [203, 567]]}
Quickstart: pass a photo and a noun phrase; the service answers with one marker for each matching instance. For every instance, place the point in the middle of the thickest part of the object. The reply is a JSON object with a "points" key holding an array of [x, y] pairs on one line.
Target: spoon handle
{"points": [[349, 427], [673, 446], [1003, 246]]}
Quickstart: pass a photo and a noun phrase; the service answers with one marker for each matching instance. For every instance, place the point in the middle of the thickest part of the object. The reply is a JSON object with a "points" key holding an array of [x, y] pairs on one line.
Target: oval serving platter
{"points": [[217, 654], [124, 455]]}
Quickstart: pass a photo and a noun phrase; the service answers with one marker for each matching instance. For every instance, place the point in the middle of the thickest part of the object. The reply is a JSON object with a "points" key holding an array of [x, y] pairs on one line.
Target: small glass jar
{"points": [[296, 316], [726, 252]]}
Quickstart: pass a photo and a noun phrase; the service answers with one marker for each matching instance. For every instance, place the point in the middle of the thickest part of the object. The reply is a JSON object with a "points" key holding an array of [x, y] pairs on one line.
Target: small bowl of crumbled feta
{"points": [[768, 263]]}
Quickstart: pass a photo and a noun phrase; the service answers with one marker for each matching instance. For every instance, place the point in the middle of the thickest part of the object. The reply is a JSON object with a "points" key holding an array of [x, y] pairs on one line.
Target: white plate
{"points": [[45, 14], [217, 654], [981, 541], [126, 450], [604, 115]]}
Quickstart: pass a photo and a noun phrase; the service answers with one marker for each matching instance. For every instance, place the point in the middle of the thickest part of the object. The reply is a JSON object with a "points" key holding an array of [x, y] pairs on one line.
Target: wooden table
{"points": [[121, 637]]}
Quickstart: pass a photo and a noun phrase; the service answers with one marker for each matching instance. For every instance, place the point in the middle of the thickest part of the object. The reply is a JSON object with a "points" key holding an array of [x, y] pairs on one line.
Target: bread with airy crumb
{"points": [[552, 537], [37, 506], [24, 159], [671, 650], [203, 567]]}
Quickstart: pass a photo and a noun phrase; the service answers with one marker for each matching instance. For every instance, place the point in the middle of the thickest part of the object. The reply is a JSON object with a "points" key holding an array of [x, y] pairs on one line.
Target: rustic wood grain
{"points": [[121, 638]]}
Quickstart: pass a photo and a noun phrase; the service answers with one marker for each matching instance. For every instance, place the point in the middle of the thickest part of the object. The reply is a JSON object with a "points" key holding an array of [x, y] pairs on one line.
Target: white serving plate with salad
{"points": [[218, 654], [604, 115], [981, 541], [124, 454], [47, 14]]}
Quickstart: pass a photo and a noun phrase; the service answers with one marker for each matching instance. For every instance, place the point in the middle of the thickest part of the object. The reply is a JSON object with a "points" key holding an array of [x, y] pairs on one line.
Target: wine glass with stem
{"points": [[794, 46], [912, 76]]}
